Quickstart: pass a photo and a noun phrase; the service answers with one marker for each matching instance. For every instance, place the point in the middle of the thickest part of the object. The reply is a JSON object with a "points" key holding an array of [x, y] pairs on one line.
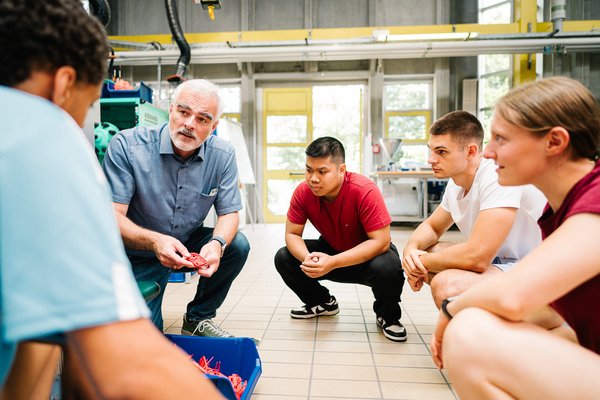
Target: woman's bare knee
{"points": [[466, 337], [469, 350]]}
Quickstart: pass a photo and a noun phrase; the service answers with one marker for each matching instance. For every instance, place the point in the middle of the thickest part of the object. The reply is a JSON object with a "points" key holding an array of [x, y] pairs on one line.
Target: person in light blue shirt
{"points": [[164, 180], [64, 277]]}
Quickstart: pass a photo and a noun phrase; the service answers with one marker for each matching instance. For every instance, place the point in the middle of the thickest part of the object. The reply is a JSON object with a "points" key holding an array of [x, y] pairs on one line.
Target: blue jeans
{"points": [[211, 292]]}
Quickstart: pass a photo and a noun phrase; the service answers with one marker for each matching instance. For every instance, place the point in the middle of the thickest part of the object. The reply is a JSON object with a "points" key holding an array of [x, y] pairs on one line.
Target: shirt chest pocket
{"points": [[204, 201], [195, 207]]}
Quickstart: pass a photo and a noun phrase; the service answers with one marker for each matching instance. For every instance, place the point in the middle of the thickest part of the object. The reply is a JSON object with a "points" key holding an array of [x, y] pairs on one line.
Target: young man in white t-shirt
{"points": [[498, 222]]}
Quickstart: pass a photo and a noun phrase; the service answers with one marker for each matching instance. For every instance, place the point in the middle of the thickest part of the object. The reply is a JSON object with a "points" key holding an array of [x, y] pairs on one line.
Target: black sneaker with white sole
{"points": [[304, 312], [393, 330]]}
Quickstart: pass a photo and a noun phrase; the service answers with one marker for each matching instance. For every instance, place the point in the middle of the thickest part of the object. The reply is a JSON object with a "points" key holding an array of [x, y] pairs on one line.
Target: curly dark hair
{"points": [[46, 35]]}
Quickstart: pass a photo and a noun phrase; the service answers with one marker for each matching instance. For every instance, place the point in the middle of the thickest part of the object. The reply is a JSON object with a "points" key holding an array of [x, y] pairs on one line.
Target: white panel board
{"points": [[232, 131]]}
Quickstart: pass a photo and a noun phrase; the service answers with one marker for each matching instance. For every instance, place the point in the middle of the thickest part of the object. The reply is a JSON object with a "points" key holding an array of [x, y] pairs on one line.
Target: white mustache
{"points": [[187, 132]]}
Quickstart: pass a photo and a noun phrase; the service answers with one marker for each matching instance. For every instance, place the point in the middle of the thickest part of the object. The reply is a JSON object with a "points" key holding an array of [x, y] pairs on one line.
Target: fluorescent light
{"points": [[384, 36]]}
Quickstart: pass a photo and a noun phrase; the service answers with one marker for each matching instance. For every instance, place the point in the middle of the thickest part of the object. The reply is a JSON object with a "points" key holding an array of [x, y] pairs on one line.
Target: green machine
{"points": [[103, 132], [128, 112], [124, 109]]}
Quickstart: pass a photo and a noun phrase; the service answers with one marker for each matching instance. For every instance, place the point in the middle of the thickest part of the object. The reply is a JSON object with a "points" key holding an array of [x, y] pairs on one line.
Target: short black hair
{"points": [[461, 125], [42, 36], [327, 146]]}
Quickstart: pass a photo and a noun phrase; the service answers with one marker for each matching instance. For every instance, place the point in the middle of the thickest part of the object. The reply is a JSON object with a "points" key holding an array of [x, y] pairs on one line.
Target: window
{"points": [[337, 112], [495, 11], [494, 70], [162, 92], [408, 109], [230, 98]]}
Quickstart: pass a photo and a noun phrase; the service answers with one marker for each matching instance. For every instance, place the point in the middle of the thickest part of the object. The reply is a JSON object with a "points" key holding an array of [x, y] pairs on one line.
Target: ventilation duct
{"points": [[101, 10], [184, 48]]}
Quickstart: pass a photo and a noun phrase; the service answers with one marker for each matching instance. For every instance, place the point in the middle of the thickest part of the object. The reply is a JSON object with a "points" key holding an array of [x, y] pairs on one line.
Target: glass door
{"points": [[292, 118], [288, 123]]}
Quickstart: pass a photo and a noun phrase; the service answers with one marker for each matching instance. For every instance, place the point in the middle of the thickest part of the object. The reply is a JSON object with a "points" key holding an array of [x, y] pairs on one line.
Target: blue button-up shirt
{"points": [[165, 193]]}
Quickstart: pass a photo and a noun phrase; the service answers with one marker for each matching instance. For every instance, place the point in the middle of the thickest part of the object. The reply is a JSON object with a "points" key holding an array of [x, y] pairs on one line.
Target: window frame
{"points": [[412, 113], [428, 112], [482, 107]]}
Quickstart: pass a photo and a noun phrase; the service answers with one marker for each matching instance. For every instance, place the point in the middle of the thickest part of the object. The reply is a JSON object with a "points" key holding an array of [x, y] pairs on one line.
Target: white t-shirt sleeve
{"points": [[451, 190]]}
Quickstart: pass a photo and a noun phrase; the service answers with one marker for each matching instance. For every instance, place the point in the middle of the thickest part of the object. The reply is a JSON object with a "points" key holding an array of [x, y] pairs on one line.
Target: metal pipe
{"points": [[356, 41], [224, 54], [558, 13]]}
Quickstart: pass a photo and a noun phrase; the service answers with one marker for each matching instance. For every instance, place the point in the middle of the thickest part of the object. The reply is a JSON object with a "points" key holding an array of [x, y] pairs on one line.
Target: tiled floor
{"points": [[344, 356]]}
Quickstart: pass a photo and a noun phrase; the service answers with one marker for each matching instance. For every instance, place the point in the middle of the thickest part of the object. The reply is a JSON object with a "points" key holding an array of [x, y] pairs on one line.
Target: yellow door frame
{"points": [[283, 102]]}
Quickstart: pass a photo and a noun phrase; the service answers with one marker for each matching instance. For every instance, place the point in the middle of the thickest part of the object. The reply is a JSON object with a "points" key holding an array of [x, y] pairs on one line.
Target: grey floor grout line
{"points": [[362, 312]]}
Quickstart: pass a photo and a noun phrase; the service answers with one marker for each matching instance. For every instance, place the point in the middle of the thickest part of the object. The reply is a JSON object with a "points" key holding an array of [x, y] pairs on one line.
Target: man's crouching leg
{"points": [[452, 282]]}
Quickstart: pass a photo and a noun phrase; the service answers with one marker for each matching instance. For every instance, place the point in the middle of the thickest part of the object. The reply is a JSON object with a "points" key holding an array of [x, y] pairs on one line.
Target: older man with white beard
{"points": [[164, 179]]}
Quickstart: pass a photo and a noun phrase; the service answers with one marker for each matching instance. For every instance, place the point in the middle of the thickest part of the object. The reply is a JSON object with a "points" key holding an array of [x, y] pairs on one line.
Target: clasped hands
{"points": [[415, 271], [317, 264]]}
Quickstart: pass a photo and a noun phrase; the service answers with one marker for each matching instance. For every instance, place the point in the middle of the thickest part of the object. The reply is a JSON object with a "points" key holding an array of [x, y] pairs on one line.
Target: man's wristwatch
{"points": [[222, 242], [444, 307]]}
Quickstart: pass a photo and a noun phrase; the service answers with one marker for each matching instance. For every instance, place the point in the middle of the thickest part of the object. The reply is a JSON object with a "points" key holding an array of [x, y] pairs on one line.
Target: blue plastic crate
{"points": [[143, 92], [237, 356], [179, 277]]}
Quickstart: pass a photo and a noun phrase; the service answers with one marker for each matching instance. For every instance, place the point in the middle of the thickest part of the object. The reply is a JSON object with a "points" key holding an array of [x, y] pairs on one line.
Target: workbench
{"points": [[406, 193]]}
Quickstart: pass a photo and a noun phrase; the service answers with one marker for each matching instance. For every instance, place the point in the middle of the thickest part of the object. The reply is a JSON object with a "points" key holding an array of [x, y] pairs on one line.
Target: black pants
{"points": [[383, 274]]}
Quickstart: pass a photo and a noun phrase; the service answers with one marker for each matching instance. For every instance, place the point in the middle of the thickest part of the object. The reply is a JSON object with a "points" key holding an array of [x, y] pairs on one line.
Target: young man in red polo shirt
{"points": [[355, 244]]}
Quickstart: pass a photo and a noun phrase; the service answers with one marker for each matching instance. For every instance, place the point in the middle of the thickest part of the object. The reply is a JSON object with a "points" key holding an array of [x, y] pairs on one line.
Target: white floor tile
{"points": [[340, 357]]}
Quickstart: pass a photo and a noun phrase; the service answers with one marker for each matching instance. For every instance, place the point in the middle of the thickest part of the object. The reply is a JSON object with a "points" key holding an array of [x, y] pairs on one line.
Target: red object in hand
{"points": [[198, 261]]}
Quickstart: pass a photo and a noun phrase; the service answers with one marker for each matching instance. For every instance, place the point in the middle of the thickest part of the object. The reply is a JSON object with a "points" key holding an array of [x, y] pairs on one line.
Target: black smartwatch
{"points": [[445, 303], [222, 242]]}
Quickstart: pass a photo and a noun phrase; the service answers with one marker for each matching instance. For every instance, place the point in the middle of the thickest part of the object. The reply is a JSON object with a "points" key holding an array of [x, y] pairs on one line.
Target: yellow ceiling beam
{"points": [[356, 33], [320, 34]]}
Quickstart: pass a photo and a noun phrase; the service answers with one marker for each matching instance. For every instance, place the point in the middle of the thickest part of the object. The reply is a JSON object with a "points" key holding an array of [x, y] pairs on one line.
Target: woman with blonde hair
{"points": [[546, 133]]}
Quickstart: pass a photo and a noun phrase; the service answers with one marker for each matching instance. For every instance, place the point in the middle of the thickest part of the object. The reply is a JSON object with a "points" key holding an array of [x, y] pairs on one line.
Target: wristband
{"points": [[445, 307], [222, 242]]}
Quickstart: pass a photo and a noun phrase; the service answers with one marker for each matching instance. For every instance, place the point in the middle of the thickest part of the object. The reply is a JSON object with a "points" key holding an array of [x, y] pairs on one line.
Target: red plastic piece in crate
{"points": [[239, 385], [122, 84], [198, 261]]}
